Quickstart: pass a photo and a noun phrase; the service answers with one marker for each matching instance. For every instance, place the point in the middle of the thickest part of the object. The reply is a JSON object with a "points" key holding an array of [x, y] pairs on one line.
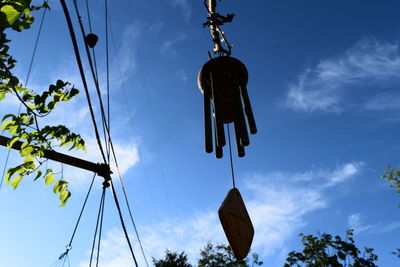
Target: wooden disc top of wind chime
{"points": [[223, 82], [226, 73]]}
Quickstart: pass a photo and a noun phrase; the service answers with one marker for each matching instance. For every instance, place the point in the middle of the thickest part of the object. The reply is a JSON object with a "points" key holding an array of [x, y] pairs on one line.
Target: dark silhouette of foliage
{"points": [[211, 256], [172, 259], [393, 176], [16, 15], [327, 250], [222, 255]]}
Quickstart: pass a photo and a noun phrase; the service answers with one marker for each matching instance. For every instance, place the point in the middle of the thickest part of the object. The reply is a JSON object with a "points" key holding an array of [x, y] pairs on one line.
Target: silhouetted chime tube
{"points": [[207, 121], [240, 121], [219, 126], [218, 149], [249, 111], [240, 149]]}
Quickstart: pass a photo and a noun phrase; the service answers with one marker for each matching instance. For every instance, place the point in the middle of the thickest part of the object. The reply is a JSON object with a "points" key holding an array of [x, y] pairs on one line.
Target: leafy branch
{"points": [[24, 127]]}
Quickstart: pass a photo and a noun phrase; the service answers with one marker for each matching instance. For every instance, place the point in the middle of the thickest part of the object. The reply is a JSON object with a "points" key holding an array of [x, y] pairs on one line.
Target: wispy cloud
{"points": [[369, 63], [184, 7], [167, 47], [127, 53], [277, 210], [354, 221], [182, 75], [357, 223]]}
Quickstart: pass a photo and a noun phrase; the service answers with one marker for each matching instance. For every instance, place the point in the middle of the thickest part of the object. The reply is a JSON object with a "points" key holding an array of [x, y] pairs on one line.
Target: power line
{"points": [[107, 80], [99, 222], [78, 58], [122, 222], [131, 118], [93, 69]]}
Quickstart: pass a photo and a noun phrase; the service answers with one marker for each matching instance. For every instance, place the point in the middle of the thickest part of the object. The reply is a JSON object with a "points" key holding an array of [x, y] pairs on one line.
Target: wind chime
{"points": [[223, 80]]}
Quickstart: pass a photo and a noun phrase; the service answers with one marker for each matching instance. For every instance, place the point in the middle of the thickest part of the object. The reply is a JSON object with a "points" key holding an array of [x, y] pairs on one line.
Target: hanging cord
{"points": [[62, 261], [101, 225], [99, 222], [64, 256], [230, 157], [122, 222], [78, 58], [69, 246], [25, 85]]}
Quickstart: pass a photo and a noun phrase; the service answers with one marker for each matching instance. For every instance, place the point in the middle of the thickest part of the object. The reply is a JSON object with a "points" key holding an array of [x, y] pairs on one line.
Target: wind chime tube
{"points": [[207, 121], [219, 126], [241, 121], [249, 111], [218, 149], [240, 149]]}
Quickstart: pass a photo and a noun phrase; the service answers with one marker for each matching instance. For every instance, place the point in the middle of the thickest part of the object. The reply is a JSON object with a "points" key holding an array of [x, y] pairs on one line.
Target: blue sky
{"points": [[324, 79]]}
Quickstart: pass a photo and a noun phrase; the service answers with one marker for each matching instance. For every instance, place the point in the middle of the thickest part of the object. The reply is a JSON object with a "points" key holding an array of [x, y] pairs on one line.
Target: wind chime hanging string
{"points": [[223, 80]]}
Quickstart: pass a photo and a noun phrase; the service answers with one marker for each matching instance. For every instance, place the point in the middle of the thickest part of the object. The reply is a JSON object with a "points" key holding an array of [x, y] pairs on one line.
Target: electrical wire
{"points": [[78, 58], [107, 81], [99, 219], [122, 222], [93, 69], [130, 116], [105, 124], [127, 204], [81, 212], [101, 227]]}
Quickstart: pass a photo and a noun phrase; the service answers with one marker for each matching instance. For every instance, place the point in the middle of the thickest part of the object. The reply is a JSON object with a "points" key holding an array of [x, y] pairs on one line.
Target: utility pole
{"points": [[101, 169]]}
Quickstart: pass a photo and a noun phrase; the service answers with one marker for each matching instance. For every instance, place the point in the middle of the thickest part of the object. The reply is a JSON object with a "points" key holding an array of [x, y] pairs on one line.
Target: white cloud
{"points": [[384, 101], [185, 8], [354, 221], [182, 75], [167, 47], [126, 54], [369, 63], [277, 210]]}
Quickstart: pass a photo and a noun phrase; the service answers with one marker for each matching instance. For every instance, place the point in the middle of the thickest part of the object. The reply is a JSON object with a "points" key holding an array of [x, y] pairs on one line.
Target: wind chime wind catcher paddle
{"points": [[223, 80]]}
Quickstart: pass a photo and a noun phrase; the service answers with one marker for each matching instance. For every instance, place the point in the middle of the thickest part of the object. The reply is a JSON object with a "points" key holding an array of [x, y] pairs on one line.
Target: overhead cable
{"points": [[78, 58]]}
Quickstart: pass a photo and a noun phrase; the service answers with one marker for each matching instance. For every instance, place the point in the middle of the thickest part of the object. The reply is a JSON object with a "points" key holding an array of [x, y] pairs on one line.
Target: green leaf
{"points": [[5, 125], [8, 116], [64, 196], [13, 129], [10, 13], [12, 141], [73, 92], [26, 151], [60, 186], [49, 179], [39, 173], [15, 182]]}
